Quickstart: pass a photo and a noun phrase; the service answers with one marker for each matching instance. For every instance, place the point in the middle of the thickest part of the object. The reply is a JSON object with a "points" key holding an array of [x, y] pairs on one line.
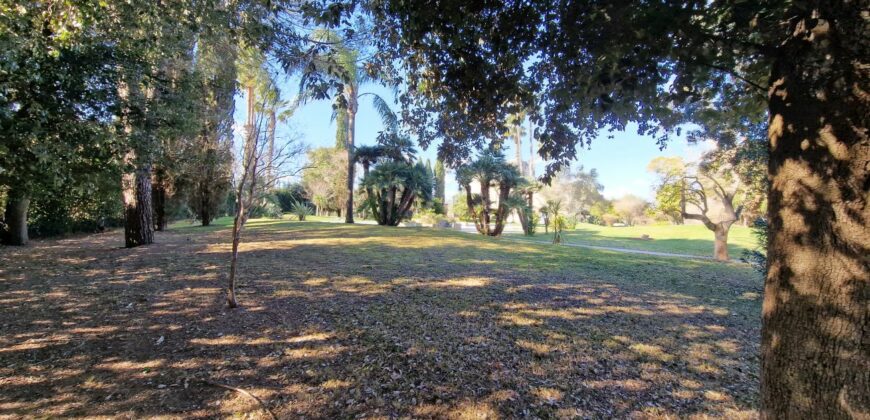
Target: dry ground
{"points": [[363, 321]]}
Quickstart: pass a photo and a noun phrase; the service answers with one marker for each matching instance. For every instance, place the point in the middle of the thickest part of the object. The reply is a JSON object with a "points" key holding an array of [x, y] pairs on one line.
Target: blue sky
{"points": [[621, 161]]}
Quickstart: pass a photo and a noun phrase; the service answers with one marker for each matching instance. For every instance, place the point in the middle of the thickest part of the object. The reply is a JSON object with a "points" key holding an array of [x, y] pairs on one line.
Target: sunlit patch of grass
{"points": [[652, 351]]}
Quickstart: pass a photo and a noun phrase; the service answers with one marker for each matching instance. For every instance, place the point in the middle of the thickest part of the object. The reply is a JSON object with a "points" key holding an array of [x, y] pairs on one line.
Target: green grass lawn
{"points": [[678, 239], [352, 321]]}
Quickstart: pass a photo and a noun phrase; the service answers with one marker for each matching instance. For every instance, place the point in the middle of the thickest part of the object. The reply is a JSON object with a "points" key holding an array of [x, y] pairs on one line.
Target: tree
{"points": [[577, 190], [341, 63], [261, 166], [601, 65], [489, 170], [710, 194], [515, 132], [630, 208], [440, 174], [323, 179], [669, 191], [56, 98], [393, 187]]}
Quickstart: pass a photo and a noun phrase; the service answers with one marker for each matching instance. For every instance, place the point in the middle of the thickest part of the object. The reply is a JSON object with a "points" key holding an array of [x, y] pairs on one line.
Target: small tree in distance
{"points": [[490, 170], [630, 208], [262, 166], [695, 191]]}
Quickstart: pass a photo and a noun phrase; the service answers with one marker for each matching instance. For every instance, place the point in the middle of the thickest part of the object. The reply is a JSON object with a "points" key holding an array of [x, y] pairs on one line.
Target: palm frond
{"points": [[388, 117]]}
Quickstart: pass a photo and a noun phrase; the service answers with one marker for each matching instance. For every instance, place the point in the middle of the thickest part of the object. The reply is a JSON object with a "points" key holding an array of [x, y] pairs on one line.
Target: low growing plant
{"points": [[300, 210]]}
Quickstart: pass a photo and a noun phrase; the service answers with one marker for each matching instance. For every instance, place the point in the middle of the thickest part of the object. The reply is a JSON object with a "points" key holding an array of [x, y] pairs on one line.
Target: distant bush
{"points": [[570, 223], [534, 219], [609, 219], [757, 257], [460, 208], [285, 197], [300, 210], [269, 209], [431, 217]]}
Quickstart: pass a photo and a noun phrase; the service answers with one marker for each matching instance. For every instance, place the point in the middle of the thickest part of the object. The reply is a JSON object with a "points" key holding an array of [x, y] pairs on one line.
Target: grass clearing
{"points": [[339, 321], [675, 239]]}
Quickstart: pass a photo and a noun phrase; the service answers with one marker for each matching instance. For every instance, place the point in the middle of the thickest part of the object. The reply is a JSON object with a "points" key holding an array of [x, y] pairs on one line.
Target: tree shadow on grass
{"points": [[335, 324]]}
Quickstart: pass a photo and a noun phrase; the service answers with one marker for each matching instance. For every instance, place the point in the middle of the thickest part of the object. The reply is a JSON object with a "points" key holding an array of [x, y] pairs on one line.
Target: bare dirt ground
{"points": [[370, 322]]}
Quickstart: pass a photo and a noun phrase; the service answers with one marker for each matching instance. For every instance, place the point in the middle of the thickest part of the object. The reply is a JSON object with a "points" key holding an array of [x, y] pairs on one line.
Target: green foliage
{"points": [[440, 173], [324, 178], [268, 208], [300, 209], [578, 191], [394, 185], [534, 219], [757, 257], [489, 171], [460, 208], [559, 224], [64, 211], [594, 66], [290, 195]]}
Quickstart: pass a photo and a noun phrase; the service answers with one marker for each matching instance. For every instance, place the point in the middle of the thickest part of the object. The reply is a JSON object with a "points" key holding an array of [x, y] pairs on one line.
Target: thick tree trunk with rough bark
{"points": [[720, 244], [205, 215], [816, 312], [138, 222], [17, 203], [159, 202]]}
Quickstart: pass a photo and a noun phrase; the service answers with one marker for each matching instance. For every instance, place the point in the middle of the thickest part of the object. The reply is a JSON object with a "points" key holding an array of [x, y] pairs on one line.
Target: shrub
{"points": [[534, 219], [431, 217], [269, 208], [300, 210], [289, 195], [609, 219], [757, 257], [460, 208], [559, 223], [571, 223]]}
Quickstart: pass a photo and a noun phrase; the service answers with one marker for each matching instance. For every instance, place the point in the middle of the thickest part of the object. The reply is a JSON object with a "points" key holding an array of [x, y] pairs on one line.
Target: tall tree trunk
{"points": [[238, 222], [720, 244], [531, 150], [816, 314], [159, 201], [518, 141], [17, 203], [351, 164], [270, 151], [205, 215], [136, 191]]}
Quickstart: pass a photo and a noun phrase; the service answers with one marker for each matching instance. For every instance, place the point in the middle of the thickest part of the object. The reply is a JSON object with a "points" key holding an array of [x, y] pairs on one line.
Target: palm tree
{"points": [[341, 63], [393, 187], [516, 132], [490, 170]]}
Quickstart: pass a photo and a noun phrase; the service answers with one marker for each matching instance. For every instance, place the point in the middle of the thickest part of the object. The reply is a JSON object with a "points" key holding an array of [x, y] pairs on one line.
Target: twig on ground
{"points": [[245, 393]]}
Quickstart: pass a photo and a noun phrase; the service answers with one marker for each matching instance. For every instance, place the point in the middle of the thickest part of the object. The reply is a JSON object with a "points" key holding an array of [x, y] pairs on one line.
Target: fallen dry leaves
{"points": [[362, 321]]}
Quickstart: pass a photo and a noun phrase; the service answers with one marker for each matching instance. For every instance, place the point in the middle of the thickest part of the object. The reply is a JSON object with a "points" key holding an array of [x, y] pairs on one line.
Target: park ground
{"points": [[690, 239], [342, 321]]}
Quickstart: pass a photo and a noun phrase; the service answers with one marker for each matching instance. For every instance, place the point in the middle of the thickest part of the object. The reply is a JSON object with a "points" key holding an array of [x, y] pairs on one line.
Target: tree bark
{"points": [[159, 202], [351, 132], [720, 245], [816, 316], [136, 190], [270, 151], [17, 203]]}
